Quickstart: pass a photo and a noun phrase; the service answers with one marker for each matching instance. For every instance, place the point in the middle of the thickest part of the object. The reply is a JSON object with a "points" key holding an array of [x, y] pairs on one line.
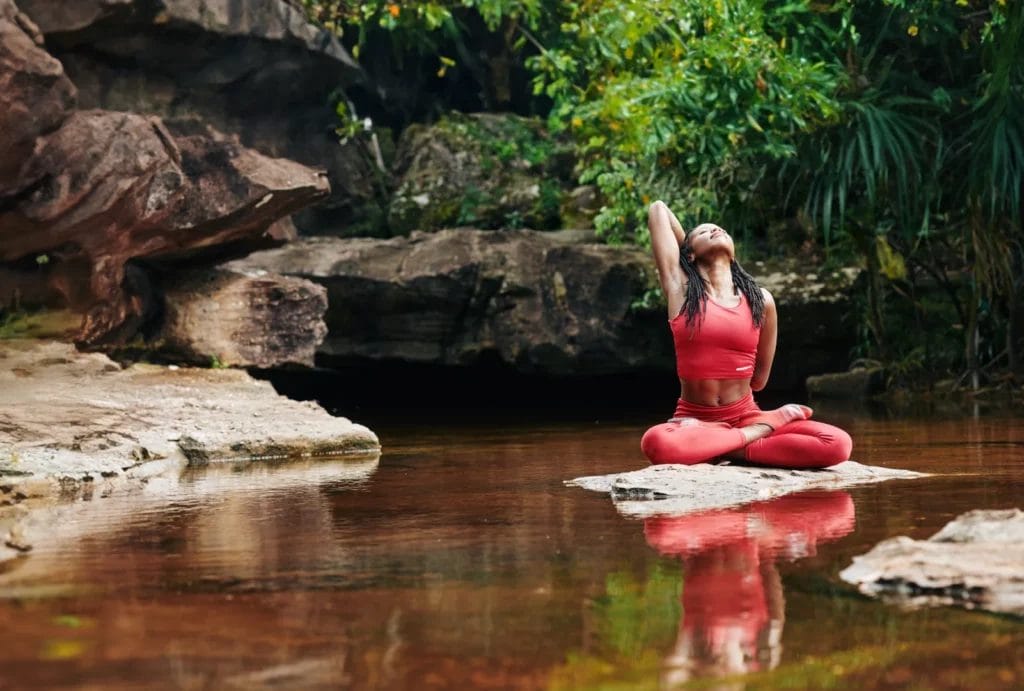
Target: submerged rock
{"points": [[681, 489], [74, 423], [976, 562]]}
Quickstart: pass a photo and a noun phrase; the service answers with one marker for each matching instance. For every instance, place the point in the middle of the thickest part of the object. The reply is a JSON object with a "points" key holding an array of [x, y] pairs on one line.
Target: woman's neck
{"points": [[718, 275]]}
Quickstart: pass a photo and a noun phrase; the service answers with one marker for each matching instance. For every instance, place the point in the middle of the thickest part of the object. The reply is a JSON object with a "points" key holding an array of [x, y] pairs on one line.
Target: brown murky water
{"points": [[461, 561]]}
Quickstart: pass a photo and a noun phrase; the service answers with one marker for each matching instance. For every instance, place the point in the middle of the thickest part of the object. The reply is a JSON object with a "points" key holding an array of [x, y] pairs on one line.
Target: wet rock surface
{"points": [[74, 423], [976, 561], [673, 489]]}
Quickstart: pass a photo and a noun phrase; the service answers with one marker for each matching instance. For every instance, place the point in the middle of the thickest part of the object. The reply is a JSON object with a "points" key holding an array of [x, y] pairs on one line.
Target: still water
{"points": [[459, 560]]}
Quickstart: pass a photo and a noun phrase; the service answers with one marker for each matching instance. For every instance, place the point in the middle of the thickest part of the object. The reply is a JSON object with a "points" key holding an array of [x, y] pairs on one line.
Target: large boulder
{"points": [[243, 319], [108, 188], [35, 95], [545, 303], [484, 170], [539, 302], [256, 69]]}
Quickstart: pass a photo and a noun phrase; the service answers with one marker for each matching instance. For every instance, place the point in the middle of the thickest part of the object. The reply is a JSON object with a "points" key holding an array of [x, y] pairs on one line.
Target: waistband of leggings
{"points": [[716, 413]]}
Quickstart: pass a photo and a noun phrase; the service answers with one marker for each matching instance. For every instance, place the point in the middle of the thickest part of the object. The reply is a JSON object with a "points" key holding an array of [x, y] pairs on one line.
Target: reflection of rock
{"points": [[76, 423], [976, 561], [228, 523], [680, 489]]}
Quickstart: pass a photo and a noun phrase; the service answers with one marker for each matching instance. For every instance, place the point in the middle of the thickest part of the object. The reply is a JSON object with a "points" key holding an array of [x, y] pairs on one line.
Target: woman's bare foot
{"points": [[774, 419]]}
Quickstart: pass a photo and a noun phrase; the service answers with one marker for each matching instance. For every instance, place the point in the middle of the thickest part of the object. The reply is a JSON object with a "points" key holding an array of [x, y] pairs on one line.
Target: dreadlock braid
{"points": [[695, 301]]}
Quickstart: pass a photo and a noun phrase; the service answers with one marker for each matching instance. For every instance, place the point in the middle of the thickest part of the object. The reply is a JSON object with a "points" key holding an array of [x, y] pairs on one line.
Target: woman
{"points": [[724, 327]]}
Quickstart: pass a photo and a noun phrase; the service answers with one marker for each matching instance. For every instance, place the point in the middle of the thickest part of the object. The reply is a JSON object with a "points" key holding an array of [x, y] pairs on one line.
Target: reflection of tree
{"points": [[733, 605]]}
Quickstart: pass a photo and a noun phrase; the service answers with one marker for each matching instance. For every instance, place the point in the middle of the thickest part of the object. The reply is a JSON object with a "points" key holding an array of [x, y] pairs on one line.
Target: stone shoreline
{"points": [[79, 426]]}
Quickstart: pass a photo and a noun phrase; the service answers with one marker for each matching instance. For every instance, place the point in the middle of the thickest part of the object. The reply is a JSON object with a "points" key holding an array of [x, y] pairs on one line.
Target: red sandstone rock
{"points": [[108, 188], [35, 95]]}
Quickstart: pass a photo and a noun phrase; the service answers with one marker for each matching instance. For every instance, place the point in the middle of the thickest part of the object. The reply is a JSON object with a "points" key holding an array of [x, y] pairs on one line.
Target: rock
{"points": [[546, 303], [107, 188], [856, 385], [539, 302], [815, 332], [682, 489], [580, 207], [35, 95], [270, 20], [484, 170], [243, 320], [976, 562], [70, 421], [256, 69]]}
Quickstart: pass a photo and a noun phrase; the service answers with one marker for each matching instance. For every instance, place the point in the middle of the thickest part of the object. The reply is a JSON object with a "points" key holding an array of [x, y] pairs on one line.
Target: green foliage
{"points": [[685, 101], [633, 620], [891, 128]]}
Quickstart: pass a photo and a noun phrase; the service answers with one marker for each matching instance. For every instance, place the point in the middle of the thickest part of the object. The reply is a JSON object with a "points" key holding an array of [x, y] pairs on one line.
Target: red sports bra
{"points": [[722, 345]]}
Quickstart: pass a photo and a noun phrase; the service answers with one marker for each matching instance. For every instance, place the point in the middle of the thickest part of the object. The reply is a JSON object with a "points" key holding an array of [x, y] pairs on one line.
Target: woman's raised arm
{"points": [[667, 236]]}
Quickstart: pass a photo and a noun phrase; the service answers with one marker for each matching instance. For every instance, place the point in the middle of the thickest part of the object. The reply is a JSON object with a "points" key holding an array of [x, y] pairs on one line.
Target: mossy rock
{"points": [[483, 170]]}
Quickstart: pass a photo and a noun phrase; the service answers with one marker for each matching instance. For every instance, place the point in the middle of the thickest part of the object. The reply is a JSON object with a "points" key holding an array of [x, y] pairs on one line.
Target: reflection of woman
{"points": [[733, 606], [724, 327]]}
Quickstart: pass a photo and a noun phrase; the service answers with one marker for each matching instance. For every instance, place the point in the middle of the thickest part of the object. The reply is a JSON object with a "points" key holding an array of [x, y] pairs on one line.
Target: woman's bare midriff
{"points": [[713, 392]]}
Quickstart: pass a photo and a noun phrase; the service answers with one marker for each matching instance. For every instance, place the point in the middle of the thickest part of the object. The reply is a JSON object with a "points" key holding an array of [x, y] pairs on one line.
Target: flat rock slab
{"points": [[976, 562], [70, 420], [681, 489]]}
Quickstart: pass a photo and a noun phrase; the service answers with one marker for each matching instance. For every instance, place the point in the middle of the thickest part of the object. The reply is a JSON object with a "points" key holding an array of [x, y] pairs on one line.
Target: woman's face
{"points": [[708, 239]]}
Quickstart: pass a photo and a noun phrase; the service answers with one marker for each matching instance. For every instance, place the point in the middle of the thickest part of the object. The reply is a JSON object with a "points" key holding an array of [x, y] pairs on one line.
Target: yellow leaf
{"points": [[62, 650], [890, 262]]}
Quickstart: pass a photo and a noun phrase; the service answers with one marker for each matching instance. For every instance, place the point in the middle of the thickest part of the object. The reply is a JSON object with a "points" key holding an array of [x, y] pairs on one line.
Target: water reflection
{"points": [[733, 604]]}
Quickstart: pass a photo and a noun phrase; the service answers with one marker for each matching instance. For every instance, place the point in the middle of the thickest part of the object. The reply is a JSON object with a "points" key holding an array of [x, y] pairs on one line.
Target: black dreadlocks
{"points": [[695, 302]]}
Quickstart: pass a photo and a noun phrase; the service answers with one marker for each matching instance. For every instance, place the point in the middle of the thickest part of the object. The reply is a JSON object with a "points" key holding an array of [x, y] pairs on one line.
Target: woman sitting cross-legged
{"points": [[724, 327]]}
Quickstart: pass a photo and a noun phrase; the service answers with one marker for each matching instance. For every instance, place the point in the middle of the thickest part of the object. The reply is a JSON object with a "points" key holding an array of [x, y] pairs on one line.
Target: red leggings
{"points": [[697, 434]]}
